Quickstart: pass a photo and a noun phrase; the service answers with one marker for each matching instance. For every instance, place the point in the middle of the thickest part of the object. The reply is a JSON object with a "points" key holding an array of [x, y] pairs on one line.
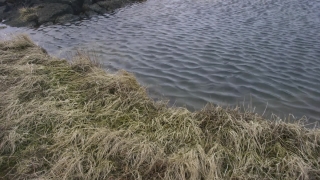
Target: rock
{"points": [[47, 24], [50, 11], [87, 2], [2, 9], [96, 8], [67, 18], [82, 15], [15, 20], [9, 7], [2, 2], [40, 12], [75, 4], [11, 17], [90, 13], [33, 3], [110, 4]]}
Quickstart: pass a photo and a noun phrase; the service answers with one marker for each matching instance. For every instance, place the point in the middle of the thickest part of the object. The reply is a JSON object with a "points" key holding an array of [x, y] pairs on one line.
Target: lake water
{"points": [[265, 53]]}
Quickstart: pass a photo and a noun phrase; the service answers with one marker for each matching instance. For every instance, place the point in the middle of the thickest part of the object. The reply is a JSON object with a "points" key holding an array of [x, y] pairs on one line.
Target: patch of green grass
{"points": [[73, 120]]}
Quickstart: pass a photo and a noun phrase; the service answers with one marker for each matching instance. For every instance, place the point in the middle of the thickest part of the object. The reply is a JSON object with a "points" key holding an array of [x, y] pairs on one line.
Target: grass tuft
{"points": [[73, 120], [28, 14]]}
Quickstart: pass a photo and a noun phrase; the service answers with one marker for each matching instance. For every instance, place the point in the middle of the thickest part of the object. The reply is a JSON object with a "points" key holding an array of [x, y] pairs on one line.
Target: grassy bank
{"points": [[61, 120]]}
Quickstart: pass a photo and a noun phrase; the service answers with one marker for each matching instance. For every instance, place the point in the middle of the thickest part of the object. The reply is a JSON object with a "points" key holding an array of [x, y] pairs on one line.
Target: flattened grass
{"points": [[61, 120]]}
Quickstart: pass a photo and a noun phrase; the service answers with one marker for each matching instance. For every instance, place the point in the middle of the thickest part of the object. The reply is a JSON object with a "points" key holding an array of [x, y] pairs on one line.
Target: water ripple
{"points": [[195, 52]]}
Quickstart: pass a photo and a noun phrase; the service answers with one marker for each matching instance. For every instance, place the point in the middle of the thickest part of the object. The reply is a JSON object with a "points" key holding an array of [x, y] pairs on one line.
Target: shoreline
{"points": [[34, 13], [74, 120]]}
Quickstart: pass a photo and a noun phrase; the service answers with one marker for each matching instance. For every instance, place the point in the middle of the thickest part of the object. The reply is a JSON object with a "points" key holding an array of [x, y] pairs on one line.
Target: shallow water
{"points": [[265, 53]]}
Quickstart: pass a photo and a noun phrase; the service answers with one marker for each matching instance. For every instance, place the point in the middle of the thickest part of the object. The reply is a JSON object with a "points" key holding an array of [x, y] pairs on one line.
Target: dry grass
{"points": [[28, 13], [61, 120]]}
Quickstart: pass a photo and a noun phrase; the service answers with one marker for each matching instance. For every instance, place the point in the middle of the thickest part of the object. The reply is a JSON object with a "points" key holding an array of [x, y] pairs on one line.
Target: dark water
{"points": [[228, 52]]}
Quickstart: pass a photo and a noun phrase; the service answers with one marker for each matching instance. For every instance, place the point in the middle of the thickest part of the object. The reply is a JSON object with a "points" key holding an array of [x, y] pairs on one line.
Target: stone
{"points": [[55, 11], [67, 18], [15, 20], [75, 4], [87, 2], [82, 15], [10, 17], [2, 2], [90, 13], [2, 9], [50, 11], [9, 7], [96, 8], [47, 24], [110, 5]]}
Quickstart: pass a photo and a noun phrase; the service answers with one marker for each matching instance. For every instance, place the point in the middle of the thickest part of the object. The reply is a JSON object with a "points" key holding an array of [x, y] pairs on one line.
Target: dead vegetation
{"points": [[28, 13], [61, 120]]}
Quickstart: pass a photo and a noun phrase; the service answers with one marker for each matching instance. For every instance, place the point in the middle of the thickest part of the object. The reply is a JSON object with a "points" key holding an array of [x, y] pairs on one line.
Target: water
{"points": [[228, 52]]}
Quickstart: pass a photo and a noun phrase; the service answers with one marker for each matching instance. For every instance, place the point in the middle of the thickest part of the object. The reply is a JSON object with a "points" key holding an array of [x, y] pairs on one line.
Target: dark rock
{"points": [[2, 8], [12, 19], [95, 1], [2, 2], [15, 20], [33, 3], [112, 4], [47, 24], [75, 4], [82, 15], [39, 12], [50, 11], [9, 7], [67, 18], [96, 8], [3, 14], [87, 2], [90, 13]]}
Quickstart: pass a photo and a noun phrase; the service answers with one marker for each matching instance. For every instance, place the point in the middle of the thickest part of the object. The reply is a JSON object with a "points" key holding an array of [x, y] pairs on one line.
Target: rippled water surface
{"points": [[265, 52]]}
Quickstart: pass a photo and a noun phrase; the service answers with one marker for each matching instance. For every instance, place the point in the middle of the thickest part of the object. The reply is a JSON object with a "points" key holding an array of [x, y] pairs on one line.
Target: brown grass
{"points": [[61, 120], [28, 13]]}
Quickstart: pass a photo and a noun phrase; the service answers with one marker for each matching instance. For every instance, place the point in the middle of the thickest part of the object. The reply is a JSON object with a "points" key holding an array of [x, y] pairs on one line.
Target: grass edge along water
{"points": [[74, 120]]}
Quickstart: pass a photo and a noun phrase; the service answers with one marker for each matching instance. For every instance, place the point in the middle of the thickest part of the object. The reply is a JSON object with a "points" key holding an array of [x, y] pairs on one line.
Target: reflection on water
{"points": [[266, 52]]}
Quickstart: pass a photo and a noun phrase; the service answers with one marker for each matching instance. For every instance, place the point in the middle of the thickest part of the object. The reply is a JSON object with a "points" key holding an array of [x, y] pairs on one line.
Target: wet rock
{"points": [[67, 18], [12, 18], [9, 7], [90, 13], [2, 8], [114, 4], [96, 8], [38, 12], [50, 11], [82, 15], [111, 4], [15, 20], [47, 24], [87, 2], [2, 2], [75, 4]]}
